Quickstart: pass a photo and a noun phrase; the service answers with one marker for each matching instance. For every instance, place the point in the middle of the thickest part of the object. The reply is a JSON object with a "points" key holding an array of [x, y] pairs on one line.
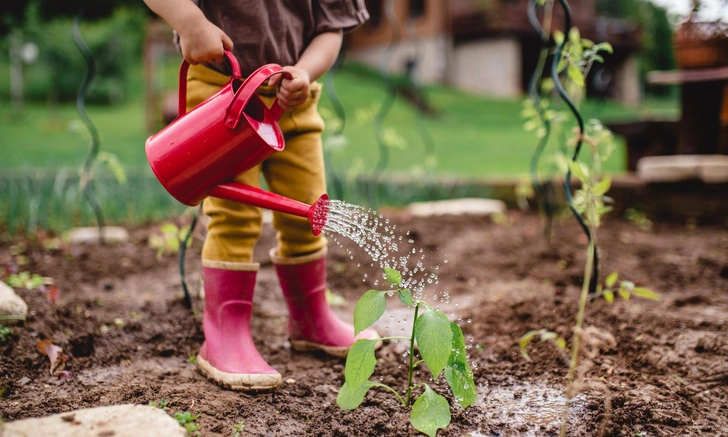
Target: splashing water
{"points": [[381, 241]]}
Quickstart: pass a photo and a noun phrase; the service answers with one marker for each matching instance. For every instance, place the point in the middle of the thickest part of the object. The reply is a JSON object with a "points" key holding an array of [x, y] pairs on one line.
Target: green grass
{"points": [[474, 137]]}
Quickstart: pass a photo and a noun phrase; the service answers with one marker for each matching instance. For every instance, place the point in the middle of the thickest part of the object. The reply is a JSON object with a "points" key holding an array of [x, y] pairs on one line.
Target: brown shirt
{"points": [[278, 31]]}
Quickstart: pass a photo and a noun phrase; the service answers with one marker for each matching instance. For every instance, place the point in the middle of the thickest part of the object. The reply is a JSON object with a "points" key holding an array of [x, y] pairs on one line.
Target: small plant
{"points": [[187, 420], [5, 333], [574, 58], [161, 404], [624, 289], [238, 429], [170, 240], [28, 280], [441, 345], [638, 218]]}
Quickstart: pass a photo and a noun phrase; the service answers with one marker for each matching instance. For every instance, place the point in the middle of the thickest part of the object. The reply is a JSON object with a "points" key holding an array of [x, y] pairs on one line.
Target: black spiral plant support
{"points": [[542, 193], [341, 115], [181, 258], [86, 180], [580, 120], [386, 76]]}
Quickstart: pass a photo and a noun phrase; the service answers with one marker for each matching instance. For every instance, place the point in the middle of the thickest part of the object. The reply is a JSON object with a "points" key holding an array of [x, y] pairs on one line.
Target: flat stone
{"points": [[11, 305], [89, 235], [714, 171], [112, 421], [710, 169], [472, 206]]}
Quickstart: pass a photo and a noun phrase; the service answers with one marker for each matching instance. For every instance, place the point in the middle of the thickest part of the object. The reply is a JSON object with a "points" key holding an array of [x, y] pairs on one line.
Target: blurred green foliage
{"points": [[116, 43], [656, 30]]}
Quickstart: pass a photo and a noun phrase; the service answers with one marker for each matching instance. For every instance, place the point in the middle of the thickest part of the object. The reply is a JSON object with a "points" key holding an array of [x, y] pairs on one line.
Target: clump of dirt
{"points": [[130, 339]]}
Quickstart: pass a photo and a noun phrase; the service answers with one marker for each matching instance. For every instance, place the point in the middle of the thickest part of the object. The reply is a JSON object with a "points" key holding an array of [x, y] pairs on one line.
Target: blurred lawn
{"points": [[42, 149], [473, 136]]}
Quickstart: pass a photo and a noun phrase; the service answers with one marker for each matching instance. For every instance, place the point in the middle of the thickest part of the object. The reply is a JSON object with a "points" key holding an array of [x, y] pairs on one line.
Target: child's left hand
{"points": [[292, 92]]}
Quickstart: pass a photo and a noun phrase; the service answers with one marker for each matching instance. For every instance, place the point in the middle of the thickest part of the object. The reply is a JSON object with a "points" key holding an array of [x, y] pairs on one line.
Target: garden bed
{"points": [[121, 320]]}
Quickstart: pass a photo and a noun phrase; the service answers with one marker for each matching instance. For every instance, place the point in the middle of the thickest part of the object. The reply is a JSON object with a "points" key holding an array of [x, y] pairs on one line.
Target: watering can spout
{"points": [[316, 214]]}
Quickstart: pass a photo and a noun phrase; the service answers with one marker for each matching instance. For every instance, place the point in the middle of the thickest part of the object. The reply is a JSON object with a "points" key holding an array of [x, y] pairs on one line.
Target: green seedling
{"points": [[624, 289], [5, 333], [187, 420], [161, 404], [442, 348], [31, 281], [170, 240], [638, 218], [573, 59], [238, 429]]}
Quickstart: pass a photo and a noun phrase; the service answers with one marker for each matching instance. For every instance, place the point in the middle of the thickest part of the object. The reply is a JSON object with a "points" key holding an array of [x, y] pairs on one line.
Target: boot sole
{"points": [[334, 351], [238, 381]]}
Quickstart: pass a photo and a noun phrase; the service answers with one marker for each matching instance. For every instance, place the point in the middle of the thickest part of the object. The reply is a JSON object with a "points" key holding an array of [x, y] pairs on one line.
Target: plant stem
{"points": [[577, 330], [411, 358]]}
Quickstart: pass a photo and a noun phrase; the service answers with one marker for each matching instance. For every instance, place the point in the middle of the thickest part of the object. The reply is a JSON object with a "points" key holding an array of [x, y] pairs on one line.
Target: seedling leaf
{"points": [[624, 294], [430, 412], [575, 75], [368, 310], [578, 170], [458, 373], [548, 335], [645, 293], [611, 280], [350, 399], [608, 296], [434, 337], [525, 340], [405, 296], [393, 276], [603, 186], [360, 362]]}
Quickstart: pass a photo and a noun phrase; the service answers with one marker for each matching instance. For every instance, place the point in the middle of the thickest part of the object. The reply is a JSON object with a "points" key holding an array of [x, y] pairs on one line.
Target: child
{"points": [[304, 37]]}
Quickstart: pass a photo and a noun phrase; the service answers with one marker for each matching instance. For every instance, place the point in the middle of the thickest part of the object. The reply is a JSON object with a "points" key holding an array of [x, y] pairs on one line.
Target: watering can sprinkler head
{"points": [[201, 152]]}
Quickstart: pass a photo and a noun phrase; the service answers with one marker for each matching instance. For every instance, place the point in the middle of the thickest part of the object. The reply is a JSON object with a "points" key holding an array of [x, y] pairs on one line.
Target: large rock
{"points": [[112, 234], [113, 421], [457, 206], [11, 305]]}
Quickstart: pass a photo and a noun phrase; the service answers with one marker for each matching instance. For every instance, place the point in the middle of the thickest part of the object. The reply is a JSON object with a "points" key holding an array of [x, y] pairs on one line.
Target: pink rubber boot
{"points": [[312, 323], [228, 355]]}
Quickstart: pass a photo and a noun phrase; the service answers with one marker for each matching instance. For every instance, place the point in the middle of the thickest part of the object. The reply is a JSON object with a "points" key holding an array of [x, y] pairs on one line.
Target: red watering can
{"points": [[201, 152]]}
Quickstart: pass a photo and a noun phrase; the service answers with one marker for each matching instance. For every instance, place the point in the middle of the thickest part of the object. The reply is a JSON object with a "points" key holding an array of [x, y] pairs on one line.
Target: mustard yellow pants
{"points": [[297, 173]]}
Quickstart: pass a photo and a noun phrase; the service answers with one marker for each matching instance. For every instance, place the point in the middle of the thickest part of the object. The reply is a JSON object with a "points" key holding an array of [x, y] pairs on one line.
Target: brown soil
{"points": [[129, 337]]}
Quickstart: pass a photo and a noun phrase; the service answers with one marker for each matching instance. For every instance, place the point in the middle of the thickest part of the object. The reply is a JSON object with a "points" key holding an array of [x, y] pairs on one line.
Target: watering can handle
{"points": [[249, 87], [182, 108]]}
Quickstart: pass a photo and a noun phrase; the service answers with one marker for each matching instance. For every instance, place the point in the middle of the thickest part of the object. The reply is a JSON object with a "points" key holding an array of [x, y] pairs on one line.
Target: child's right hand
{"points": [[202, 42]]}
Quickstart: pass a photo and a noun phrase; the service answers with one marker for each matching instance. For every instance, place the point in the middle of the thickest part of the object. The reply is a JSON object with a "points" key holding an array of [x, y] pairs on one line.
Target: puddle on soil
{"points": [[527, 409]]}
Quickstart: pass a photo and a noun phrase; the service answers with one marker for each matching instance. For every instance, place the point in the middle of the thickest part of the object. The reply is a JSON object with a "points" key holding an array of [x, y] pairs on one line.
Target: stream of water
{"points": [[385, 244]]}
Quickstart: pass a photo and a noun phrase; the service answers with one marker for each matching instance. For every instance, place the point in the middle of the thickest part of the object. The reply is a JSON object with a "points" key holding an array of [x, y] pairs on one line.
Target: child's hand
{"points": [[292, 92], [201, 41]]}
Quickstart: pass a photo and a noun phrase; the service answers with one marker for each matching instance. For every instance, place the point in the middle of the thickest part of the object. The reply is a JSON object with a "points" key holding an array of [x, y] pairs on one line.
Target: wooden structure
{"points": [[704, 109], [488, 46]]}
